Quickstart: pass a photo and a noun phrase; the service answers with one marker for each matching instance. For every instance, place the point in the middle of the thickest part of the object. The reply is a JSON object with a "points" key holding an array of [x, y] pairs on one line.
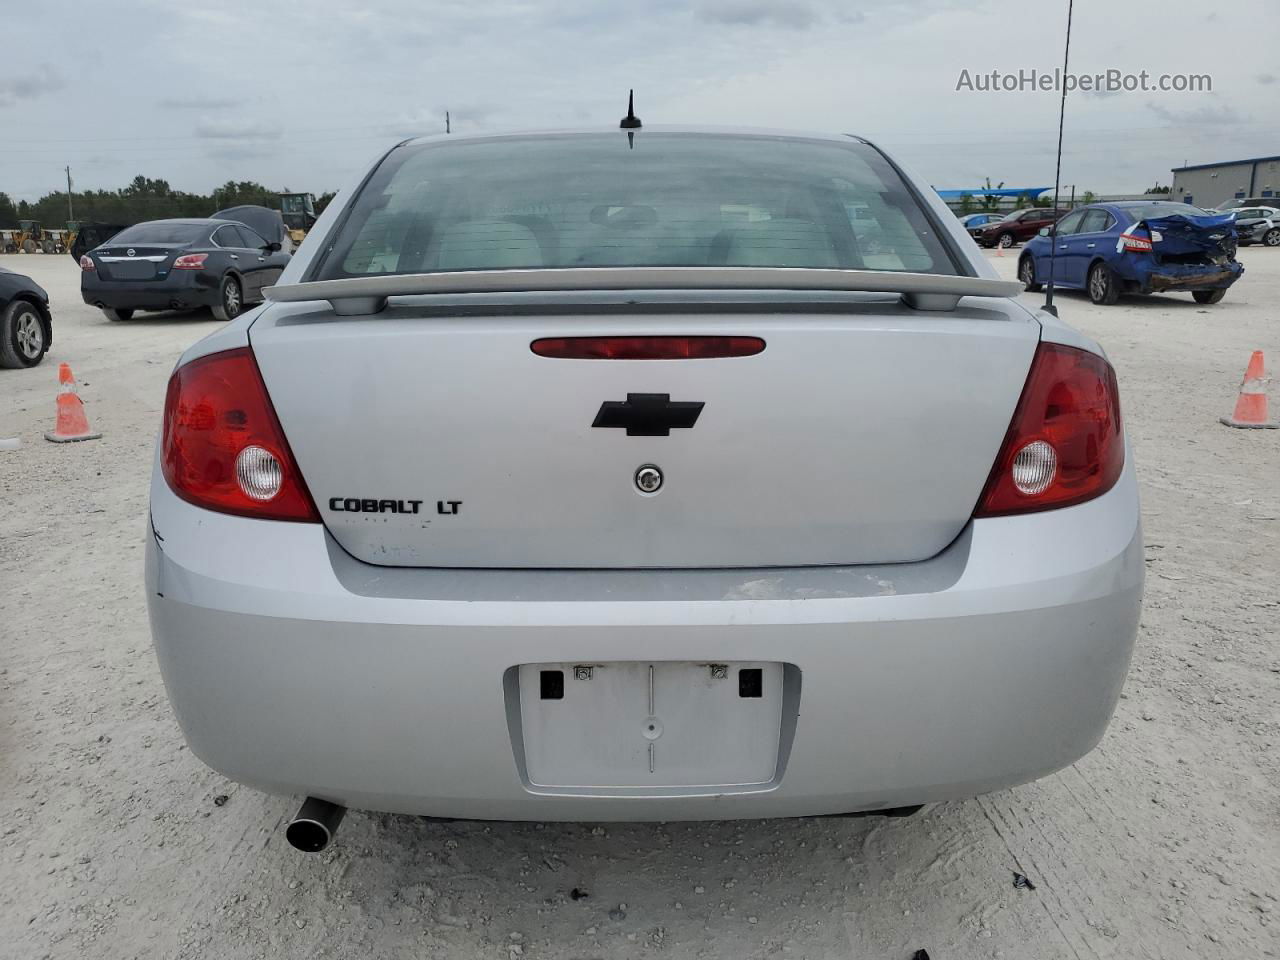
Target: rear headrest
{"points": [[780, 243], [487, 245]]}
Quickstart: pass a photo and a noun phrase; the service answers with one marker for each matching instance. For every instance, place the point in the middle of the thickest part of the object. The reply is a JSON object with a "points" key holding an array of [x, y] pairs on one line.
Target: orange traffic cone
{"points": [[72, 423], [1251, 405]]}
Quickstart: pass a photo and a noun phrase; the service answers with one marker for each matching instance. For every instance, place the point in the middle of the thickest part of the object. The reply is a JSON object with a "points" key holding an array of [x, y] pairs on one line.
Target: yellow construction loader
{"points": [[30, 237], [299, 213], [53, 241]]}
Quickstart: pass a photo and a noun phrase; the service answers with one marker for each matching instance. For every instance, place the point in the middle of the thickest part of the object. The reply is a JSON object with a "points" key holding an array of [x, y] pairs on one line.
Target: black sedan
{"points": [[180, 265], [26, 327]]}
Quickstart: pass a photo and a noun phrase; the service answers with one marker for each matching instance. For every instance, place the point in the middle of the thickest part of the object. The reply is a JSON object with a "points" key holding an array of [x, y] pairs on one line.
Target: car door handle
{"points": [[1090, 245], [234, 257], [264, 259]]}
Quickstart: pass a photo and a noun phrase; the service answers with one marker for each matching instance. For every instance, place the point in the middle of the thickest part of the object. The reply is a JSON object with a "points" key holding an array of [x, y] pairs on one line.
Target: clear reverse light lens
{"points": [[215, 408], [1033, 467], [259, 473], [1066, 432]]}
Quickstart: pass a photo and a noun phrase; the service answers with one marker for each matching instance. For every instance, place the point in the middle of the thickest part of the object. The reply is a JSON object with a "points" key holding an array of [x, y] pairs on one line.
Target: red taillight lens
{"points": [[222, 447], [1065, 444], [190, 261], [646, 348], [1135, 243], [87, 264]]}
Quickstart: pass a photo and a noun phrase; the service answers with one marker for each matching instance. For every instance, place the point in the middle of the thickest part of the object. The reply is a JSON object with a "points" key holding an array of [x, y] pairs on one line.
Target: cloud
{"points": [[464, 117], [793, 14], [209, 129], [1210, 115], [313, 107], [21, 88], [198, 103], [235, 152], [38, 82]]}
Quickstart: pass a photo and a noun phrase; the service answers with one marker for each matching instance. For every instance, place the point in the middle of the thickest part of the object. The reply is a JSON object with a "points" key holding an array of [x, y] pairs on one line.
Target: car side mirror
{"points": [[1045, 231], [272, 247]]}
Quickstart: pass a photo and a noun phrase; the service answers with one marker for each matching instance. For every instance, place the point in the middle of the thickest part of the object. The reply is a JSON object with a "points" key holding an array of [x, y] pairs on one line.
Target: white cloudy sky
{"points": [[302, 94]]}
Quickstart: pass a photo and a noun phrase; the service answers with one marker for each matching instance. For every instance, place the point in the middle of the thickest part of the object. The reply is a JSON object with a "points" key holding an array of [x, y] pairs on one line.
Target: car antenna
{"points": [[1057, 177], [631, 123]]}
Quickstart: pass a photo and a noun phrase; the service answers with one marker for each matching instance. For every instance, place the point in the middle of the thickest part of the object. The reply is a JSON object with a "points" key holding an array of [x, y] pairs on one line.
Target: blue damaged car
{"points": [[1143, 246]]}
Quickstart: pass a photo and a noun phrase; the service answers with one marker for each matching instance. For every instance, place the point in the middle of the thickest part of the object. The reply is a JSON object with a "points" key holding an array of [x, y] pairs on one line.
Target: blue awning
{"points": [[993, 192]]}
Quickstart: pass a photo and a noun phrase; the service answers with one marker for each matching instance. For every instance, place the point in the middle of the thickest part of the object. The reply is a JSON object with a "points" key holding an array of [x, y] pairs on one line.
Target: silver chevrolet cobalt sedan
{"points": [[641, 474]]}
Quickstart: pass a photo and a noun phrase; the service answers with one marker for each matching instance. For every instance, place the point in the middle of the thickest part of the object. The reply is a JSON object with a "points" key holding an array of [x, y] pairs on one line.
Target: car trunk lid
{"points": [[135, 261], [431, 434], [1183, 239]]}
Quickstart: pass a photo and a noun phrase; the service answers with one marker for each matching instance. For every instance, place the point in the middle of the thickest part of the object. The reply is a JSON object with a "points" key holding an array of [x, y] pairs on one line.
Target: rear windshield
{"points": [[670, 199], [1154, 210], [161, 233]]}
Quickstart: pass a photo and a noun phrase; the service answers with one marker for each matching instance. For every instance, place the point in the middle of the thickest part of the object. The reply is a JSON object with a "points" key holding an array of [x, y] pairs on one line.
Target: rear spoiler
{"points": [[360, 296]]}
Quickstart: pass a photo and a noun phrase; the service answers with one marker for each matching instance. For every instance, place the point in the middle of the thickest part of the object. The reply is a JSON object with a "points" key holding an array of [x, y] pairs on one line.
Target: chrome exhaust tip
{"points": [[313, 826]]}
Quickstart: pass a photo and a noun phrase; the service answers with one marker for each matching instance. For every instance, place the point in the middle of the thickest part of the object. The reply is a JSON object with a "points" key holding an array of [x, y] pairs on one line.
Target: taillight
{"points": [[1065, 443], [646, 348], [87, 264], [222, 447], [190, 261], [1133, 243]]}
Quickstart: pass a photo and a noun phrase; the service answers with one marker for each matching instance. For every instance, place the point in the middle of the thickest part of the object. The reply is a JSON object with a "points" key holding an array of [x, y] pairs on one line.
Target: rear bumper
{"points": [[181, 288], [1156, 278], [296, 669]]}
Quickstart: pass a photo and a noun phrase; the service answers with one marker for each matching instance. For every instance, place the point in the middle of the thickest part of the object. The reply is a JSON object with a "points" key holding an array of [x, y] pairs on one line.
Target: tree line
{"points": [[143, 199]]}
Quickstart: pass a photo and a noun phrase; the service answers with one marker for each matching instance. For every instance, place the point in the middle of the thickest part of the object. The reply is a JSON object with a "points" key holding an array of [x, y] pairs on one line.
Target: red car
{"points": [[1017, 227]]}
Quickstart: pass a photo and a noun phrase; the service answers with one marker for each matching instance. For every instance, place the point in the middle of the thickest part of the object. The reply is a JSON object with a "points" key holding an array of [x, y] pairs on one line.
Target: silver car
{"points": [[1258, 225], [609, 475]]}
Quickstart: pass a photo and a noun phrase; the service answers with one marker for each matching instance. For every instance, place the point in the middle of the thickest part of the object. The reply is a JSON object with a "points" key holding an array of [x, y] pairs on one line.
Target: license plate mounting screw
{"points": [[581, 673], [719, 671]]}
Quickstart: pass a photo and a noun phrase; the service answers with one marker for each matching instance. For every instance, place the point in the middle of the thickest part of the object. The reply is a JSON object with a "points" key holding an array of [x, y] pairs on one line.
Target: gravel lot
{"points": [[1164, 842]]}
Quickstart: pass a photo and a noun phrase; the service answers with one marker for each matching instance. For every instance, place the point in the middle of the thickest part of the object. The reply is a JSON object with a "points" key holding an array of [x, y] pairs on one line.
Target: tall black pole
{"points": [[1057, 177]]}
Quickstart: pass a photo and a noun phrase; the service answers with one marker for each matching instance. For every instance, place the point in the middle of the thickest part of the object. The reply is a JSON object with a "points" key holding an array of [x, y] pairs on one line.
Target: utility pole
{"points": [[447, 127], [71, 213]]}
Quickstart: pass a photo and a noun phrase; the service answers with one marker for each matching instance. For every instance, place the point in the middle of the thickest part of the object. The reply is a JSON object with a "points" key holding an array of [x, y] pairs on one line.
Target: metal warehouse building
{"points": [[1209, 184]]}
